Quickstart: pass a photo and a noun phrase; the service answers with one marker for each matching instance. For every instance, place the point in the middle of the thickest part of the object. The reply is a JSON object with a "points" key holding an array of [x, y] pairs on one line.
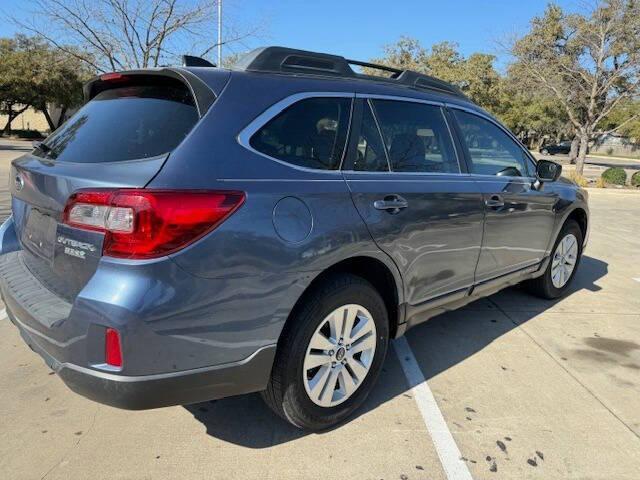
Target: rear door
{"points": [[519, 215], [121, 138], [406, 182]]}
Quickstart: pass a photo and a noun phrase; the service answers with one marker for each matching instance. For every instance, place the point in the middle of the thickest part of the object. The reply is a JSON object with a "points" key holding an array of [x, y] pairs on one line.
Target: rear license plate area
{"points": [[38, 235]]}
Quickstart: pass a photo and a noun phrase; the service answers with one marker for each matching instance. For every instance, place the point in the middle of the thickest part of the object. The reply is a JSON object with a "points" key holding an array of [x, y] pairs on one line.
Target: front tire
{"points": [[544, 151], [330, 353], [562, 267]]}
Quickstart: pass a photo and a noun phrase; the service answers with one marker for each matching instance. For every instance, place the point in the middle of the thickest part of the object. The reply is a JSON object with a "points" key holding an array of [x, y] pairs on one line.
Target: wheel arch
{"points": [[579, 213], [581, 218], [385, 279]]}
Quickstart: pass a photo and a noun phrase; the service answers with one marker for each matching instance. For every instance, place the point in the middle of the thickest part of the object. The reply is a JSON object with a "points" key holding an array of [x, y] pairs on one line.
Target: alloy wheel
{"points": [[339, 355], [564, 260]]}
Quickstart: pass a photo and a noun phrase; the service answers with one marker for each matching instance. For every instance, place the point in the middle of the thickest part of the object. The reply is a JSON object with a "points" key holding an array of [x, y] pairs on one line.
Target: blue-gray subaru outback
{"points": [[193, 233]]}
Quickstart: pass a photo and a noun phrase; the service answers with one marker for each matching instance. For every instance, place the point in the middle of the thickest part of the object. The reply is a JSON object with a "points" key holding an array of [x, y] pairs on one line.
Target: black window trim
{"points": [[368, 97], [244, 137], [530, 175], [372, 109]]}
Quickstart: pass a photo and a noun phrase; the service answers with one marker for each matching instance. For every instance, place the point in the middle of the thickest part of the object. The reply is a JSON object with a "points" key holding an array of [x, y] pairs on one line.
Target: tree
{"points": [[531, 115], [475, 75], [113, 35], [588, 62], [32, 74], [625, 119], [15, 94], [407, 53], [230, 61]]}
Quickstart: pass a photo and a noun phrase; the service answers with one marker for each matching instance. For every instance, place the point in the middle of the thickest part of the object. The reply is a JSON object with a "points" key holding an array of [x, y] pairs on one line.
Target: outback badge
{"points": [[74, 247]]}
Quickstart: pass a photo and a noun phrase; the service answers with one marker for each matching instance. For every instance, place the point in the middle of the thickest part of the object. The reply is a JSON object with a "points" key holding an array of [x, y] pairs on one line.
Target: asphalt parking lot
{"points": [[527, 389]]}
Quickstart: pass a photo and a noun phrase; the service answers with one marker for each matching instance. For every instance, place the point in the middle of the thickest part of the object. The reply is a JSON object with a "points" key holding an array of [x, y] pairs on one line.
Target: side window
{"points": [[310, 133], [416, 137], [370, 156], [491, 150]]}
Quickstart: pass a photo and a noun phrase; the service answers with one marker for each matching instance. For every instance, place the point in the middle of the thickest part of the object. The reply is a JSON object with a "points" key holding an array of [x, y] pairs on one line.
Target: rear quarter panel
{"points": [[270, 250]]}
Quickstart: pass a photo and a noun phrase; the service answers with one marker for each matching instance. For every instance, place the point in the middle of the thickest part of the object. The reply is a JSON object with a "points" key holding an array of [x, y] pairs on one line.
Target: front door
{"points": [[519, 215], [406, 183]]}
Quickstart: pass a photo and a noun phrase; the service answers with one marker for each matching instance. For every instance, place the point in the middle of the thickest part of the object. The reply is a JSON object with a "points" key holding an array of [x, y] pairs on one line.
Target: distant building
{"points": [[615, 144], [29, 120], [33, 120]]}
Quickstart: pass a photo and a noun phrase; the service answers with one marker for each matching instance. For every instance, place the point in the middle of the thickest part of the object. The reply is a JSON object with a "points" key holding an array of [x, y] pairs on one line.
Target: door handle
{"points": [[391, 203], [494, 202]]}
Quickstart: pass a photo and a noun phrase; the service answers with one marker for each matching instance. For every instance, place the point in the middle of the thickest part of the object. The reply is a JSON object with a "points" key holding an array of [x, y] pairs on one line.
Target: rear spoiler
{"points": [[202, 94]]}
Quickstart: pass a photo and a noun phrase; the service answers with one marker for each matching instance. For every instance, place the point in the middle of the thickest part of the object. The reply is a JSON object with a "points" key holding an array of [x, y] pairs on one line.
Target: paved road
{"points": [[527, 388]]}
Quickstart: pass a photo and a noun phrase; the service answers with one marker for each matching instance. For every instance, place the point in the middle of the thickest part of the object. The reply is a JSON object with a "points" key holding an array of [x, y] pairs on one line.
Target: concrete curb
{"points": [[605, 157], [624, 191]]}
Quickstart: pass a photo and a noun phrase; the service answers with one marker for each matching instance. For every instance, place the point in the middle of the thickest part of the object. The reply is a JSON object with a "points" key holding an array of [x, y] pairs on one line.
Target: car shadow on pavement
{"points": [[444, 341]]}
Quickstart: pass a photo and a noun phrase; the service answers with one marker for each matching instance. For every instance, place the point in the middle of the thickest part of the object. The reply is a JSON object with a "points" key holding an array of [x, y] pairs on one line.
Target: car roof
{"points": [[295, 67], [300, 82], [292, 71]]}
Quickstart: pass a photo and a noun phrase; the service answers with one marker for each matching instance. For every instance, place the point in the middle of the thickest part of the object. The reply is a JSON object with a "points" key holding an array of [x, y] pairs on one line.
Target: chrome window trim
{"points": [[437, 174], [244, 137], [396, 98], [262, 119], [441, 177], [501, 127]]}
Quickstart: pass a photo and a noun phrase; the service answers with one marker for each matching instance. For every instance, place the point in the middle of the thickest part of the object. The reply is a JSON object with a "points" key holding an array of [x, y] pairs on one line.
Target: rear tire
{"points": [[562, 267], [317, 398]]}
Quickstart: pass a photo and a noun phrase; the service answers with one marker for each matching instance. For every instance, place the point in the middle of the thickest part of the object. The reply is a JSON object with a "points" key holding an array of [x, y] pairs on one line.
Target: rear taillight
{"points": [[112, 348], [142, 224]]}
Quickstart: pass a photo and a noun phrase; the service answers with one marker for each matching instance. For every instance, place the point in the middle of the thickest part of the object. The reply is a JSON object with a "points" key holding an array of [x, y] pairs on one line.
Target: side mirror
{"points": [[547, 171]]}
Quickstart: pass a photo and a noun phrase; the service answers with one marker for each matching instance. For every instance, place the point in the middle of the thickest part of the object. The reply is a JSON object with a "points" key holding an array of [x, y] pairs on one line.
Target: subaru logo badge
{"points": [[19, 183]]}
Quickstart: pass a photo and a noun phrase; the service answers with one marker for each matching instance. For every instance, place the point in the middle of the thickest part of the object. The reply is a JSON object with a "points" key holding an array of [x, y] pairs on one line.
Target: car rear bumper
{"points": [[159, 390], [178, 350]]}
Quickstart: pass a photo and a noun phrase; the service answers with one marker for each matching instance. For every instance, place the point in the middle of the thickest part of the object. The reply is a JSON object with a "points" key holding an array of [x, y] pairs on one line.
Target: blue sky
{"points": [[359, 28]]}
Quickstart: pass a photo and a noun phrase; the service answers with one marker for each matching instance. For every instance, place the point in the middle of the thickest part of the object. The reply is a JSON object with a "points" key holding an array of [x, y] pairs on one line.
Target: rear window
{"points": [[311, 133], [124, 124]]}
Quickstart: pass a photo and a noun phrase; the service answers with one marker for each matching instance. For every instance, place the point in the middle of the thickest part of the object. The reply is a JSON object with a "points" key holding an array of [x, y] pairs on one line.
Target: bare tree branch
{"points": [[123, 34]]}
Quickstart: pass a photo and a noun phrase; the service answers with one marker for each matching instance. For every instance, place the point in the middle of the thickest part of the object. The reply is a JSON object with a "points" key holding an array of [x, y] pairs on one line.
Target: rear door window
{"points": [[416, 136], [310, 133], [125, 123]]}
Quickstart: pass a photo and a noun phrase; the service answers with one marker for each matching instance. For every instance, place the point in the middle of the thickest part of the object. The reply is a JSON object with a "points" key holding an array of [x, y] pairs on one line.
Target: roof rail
{"points": [[291, 61]]}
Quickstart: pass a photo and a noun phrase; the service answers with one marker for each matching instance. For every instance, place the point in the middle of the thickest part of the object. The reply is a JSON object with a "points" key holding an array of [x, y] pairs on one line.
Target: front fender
{"points": [[571, 200]]}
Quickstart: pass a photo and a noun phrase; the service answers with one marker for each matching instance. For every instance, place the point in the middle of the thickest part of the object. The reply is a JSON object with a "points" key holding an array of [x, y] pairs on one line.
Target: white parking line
{"points": [[637, 279], [445, 445], [3, 313]]}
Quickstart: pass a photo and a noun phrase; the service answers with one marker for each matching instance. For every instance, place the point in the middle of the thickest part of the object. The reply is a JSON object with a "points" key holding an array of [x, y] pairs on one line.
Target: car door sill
{"points": [[417, 314]]}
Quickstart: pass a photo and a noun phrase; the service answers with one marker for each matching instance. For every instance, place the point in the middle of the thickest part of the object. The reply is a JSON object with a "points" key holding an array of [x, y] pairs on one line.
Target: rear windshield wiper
{"points": [[43, 147]]}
